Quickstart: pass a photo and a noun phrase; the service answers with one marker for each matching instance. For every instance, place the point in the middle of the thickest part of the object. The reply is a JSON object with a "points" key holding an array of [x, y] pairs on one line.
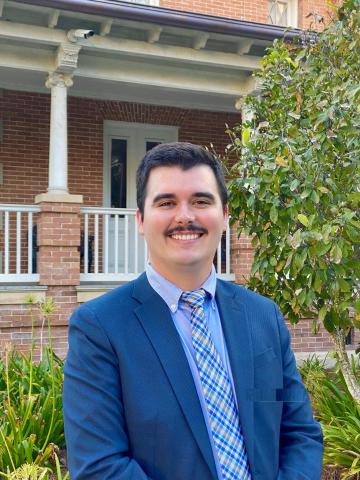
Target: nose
{"points": [[184, 214]]}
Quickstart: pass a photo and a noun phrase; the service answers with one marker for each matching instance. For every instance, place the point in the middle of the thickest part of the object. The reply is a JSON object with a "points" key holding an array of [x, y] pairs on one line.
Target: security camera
{"points": [[74, 35]]}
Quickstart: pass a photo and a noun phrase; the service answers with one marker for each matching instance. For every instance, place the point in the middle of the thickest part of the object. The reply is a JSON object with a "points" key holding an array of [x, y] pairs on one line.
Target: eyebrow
{"points": [[163, 196]]}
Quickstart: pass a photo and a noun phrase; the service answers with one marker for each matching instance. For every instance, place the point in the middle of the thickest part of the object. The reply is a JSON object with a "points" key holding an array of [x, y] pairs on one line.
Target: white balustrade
{"points": [[113, 250], [16, 243]]}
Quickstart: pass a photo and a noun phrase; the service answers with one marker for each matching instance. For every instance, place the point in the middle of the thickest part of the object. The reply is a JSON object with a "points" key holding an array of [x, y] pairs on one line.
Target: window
{"points": [[283, 12], [118, 173]]}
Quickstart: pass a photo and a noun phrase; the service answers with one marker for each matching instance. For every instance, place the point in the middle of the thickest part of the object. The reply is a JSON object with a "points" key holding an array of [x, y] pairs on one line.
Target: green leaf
{"points": [[294, 184], [322, 313], [294, 115], [344, 285], [246, 134], [292, 62], [329, 322], [303, 219], [321, 248], [281, 161], [317, 282], [354, 198], [336, 254], [274, 214], [357, 305]]}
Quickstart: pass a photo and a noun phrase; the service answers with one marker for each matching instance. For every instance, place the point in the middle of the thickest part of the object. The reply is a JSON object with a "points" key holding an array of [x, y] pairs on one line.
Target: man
{"points": [[177, 375]]}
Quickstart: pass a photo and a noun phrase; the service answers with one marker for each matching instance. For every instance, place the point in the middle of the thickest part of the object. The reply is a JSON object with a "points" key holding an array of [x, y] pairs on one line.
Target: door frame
{"points": [[133, 133]]}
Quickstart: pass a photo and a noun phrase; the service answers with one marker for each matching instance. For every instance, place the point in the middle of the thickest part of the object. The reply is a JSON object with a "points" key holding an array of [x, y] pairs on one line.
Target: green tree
{"points": [[295, 178]]}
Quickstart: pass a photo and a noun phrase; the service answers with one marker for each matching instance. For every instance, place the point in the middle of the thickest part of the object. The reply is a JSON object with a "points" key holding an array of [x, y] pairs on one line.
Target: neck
{"points": [[185, 279]]}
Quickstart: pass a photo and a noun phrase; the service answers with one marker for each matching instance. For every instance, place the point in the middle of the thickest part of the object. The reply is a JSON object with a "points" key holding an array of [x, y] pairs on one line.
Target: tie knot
{"points": [[195, 299]]}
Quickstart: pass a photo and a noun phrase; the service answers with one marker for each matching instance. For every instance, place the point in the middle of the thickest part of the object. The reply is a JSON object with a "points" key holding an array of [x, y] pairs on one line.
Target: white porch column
{"points": [[58, 152], [252, 88]]}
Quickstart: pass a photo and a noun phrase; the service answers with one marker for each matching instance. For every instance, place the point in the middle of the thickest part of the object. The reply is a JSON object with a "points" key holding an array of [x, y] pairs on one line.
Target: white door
{"points": [[125, 144]]}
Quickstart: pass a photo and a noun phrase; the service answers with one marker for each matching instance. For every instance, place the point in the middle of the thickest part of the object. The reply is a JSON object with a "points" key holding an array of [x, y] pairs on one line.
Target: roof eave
{"points": [[175, 18]]}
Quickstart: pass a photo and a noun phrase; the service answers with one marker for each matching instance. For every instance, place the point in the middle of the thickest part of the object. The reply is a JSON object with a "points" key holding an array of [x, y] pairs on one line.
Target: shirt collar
{"points": [[170, 293]]}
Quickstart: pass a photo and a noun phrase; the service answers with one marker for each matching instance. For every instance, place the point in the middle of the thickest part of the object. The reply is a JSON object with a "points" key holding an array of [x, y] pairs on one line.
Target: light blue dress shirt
{"points": [[180, 313]]}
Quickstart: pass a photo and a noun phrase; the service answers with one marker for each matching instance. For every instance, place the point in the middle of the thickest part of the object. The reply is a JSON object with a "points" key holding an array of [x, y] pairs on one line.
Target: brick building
{"points": [[86, 87]]}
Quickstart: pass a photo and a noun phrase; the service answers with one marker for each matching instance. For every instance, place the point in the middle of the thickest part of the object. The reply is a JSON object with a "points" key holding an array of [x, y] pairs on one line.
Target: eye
{"points": [[202, 202], [166, 203]]}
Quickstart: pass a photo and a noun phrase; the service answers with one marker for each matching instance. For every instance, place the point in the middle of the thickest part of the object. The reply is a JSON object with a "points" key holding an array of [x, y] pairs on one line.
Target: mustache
{"points": [[189, 228]]}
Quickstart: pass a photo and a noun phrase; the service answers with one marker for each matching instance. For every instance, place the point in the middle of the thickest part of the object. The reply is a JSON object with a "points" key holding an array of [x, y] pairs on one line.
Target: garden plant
{"points": [[31, 418], [295, 178], [338, 413], [294, 181]]}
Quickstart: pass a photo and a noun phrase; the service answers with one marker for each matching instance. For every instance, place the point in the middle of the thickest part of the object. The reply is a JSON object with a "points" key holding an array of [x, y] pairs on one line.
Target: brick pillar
{"points": [[242, 254], [58, 262], [59, 242]]}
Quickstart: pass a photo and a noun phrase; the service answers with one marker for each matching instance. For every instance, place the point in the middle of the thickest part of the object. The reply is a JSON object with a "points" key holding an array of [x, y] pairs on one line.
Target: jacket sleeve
{"points": [[95, 431], [301, 447]]}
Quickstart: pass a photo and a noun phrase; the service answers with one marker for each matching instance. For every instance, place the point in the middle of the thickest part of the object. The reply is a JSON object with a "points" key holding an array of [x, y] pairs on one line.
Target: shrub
{"points": [[338, 413], [31, 418], [295, 176], [34, 472]]}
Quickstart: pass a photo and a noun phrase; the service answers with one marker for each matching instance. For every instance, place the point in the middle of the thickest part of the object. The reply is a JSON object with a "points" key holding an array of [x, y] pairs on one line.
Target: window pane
{"points": [[118, 173], [278, 12], [150, 145]]}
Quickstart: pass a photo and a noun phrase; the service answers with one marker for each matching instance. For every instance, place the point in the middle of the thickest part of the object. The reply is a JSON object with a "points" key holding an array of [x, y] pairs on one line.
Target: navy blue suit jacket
{"points": [[130, 403]]}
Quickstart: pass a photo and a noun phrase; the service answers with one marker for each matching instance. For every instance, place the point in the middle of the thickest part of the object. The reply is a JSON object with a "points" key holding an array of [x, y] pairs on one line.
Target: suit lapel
{"points": [[239, 345], [155, 318]]}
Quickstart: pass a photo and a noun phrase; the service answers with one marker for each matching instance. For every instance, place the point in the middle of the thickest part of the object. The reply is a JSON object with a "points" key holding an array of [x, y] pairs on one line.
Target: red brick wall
{"points": [[24, 155], [24, 150], [249, 10], [25, 146], [318, 7], [15, 323]]}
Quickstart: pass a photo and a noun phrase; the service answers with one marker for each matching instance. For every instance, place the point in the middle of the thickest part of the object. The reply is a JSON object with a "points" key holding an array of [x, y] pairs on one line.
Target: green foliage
{"points": [[32, 471], [313, 373], [339, 415], [31, 418], [295, 181]]}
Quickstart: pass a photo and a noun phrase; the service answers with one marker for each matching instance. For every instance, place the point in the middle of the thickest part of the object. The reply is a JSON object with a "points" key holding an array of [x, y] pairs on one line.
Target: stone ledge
{"points": [[321, 355], [58, 198], [18, 295], [89, 292]]}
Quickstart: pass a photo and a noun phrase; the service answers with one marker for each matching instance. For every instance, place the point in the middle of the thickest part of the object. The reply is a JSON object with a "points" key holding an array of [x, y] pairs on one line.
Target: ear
{"points": [[226, 216], [140, 222]]}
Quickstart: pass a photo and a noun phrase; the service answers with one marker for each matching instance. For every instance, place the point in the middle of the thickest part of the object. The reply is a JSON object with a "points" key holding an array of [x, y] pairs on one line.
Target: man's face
{"points": [[183, 220]]}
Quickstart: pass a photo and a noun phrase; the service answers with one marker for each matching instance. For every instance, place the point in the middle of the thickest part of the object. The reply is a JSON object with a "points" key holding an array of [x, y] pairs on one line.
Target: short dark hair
{"points": [[178, 154]]}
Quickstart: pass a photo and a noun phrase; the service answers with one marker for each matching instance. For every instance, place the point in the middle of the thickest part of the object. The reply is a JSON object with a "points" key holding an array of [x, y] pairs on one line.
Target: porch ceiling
{"points": [[149, 61]]}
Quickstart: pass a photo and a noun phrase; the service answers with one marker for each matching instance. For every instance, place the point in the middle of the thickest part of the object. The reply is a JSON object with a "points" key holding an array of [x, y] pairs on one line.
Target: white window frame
{"points": [[292, 13], [133, 133]]}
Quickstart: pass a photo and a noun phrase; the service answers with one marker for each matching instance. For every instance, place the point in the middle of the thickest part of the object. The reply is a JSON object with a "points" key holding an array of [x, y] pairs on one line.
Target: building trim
{"points": [[165, 16]]}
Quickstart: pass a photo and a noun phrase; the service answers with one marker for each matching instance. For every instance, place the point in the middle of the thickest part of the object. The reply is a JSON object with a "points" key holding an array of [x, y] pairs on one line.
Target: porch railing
{"points": [[17, 243], [112, 249]]}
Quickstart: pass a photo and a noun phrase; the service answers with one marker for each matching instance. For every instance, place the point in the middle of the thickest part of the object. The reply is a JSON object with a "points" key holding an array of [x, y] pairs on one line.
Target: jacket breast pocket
{"points": [[265, 357], [268, 377]]}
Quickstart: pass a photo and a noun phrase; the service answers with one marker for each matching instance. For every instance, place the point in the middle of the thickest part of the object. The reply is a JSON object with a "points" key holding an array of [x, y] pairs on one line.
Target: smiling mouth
{"points": [[188, 236]]}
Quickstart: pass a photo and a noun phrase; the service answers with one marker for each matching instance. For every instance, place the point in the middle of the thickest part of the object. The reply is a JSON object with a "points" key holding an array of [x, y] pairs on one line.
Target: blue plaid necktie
{"points": [[223, 415]]}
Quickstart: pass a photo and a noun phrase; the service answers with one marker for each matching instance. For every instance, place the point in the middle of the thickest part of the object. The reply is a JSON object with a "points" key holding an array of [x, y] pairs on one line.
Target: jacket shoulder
{"points": [[120, 299], [244, 295]]}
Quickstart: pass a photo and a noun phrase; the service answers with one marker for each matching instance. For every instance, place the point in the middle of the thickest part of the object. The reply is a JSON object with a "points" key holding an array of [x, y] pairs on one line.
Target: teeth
{"points": [[192, 236]]}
